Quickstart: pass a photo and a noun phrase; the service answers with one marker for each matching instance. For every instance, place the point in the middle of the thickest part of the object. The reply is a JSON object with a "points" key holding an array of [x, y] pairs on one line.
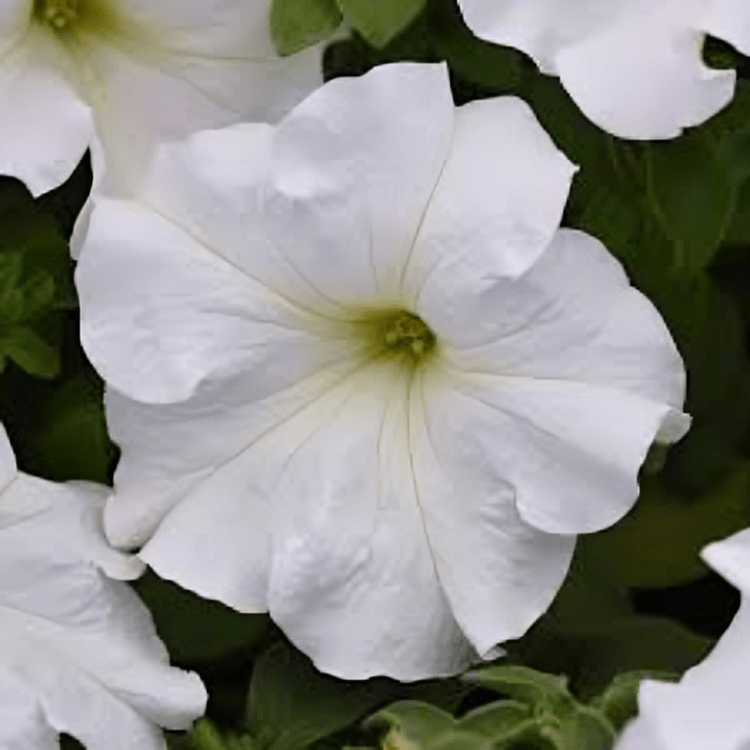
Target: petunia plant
{"points": [[386, 413]]}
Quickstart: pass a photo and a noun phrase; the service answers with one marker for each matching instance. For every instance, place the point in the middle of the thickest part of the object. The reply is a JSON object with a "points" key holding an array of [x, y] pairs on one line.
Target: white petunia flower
{"points": [[633, 66], [708, 707], [369, 386], [134, 72], [79, 651]]}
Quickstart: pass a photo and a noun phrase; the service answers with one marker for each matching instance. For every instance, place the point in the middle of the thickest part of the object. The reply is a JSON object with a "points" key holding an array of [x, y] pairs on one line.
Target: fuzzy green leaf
{"points": [[380, 21], [297, 24]]}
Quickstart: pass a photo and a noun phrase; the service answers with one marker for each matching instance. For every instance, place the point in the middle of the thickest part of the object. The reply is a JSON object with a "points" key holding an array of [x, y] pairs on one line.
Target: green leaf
{"points": [[69, 439], [205, 736], [414, 724], [584, 729], [707, 326], [380, 21], [30, 351], [297, 24], [458, 740], [419, 721], [657, 544], [637, 642], [524, 684], [619, 701], [729, 133], [496, 719], [197, 630], [35, 280], [692, 197], [293, 705]]}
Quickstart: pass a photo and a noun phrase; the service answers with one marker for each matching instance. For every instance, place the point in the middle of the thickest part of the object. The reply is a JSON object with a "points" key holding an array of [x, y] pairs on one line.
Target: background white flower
{"points": [[79, 651], [633, 66], [135, 72], [369, 386], [708, 707]]}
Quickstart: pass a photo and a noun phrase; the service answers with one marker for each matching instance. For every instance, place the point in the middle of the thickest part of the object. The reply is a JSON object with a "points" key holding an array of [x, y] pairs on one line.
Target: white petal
{"points": [[571, 451], [633, 66], [373, 147], [191, 66], [478, 231], [14, 19], [708, 707], [640, 734], [7, 460], [46, 131], [23, 725], [499, 573], [729, 20], [161, 313], [167, 450], [644, 77], [78, 521], [572, 316], [83, 644], [537, 27], [731, 558], [317, 521], [215, 185]]}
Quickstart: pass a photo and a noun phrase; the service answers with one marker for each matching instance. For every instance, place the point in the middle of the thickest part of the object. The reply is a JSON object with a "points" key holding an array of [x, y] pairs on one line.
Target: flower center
{"points": [[408, 332], [57, 13]]}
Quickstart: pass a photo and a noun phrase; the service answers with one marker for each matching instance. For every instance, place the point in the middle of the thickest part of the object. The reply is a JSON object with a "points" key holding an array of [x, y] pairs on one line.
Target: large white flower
{"points": [[369, 386], [708, 708], [135, 72], [79, 653], [633, 66]]}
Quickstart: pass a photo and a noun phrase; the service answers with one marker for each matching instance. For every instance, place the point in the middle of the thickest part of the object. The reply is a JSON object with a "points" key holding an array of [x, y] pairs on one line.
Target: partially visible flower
{"points": [[79, 651], [365, 382], [134, 72], [708, 708], [633, 66]]}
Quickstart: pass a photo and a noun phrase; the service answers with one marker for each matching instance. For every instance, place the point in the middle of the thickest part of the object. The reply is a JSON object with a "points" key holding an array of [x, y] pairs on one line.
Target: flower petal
{"points": [[215, 186], [190, 67], [499, 573], [317, 522], [644, 77], [537, 27], [731, 559], [571, 451], [708, 707], [373, 146], [573, 316], [7, 460], [477, 232], [161, 313], [83, 644], [47, 130], [23, 725], [168, 450], [729, 20], [633, 66]]}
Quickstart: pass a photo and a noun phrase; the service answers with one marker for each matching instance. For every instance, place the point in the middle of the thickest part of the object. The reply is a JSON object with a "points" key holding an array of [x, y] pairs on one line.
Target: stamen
{"points": [[409, 331], [59, 13]]}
